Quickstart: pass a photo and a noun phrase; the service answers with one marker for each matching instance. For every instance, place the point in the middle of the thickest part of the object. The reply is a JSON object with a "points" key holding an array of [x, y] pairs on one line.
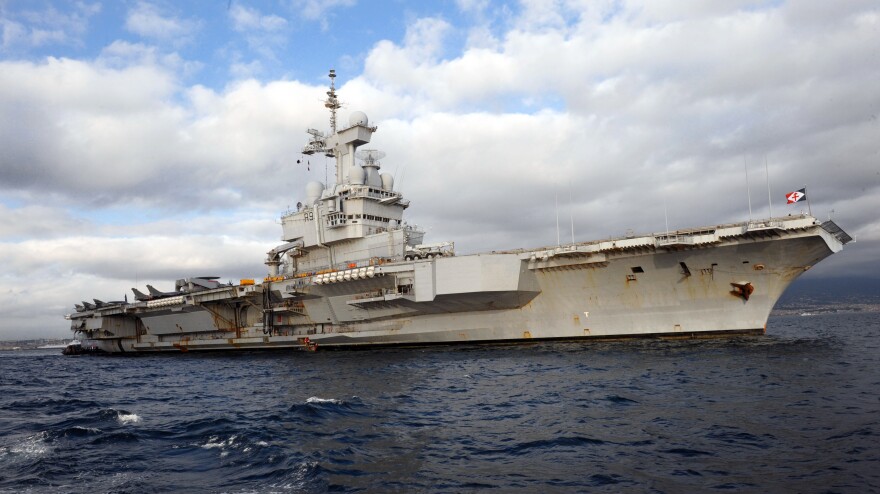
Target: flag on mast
{"points": [[796, 196]]}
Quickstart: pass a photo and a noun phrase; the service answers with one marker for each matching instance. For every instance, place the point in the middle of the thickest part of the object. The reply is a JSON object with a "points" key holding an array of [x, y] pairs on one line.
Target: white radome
{"points": [[358, 118]]}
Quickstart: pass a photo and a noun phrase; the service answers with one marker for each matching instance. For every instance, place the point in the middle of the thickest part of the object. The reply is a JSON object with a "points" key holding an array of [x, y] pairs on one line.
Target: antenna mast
{"points": [[332, 103], [318, 142]]}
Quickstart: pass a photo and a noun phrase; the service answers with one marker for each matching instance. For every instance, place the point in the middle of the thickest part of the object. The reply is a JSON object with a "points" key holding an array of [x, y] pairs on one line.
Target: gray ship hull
{"points": [[711, 281]]}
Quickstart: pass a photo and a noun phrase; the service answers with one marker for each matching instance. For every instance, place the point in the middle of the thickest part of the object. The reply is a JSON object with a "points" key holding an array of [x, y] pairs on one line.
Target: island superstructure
{"points": [[352, 273]]}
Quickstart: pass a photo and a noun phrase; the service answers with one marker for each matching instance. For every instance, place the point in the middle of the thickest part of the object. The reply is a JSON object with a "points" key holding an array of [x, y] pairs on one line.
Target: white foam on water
{"points": [[31, 446], [216, 442], [128, 418], [315, 399], [297, 479], [87, 429]]}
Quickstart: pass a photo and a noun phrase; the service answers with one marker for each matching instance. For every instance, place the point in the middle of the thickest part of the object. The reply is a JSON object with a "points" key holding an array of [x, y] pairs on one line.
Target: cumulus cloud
{"points": [[263, 35], [53, 259], [122, 54], [37, 28], [649, 95], [122, 258], [317, 9], [38, 221], [148, 20], [472, 6], [245, 19], [70, 122], [106, 135]]}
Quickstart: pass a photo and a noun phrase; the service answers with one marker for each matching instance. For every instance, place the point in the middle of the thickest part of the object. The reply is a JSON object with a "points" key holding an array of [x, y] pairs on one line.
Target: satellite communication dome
{"points": [[357, 175], [358, 118], [313, 192], [387, 182]]}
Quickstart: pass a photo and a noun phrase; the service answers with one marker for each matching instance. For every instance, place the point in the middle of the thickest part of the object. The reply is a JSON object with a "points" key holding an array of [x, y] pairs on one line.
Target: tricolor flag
{"points": [[796, 196]]}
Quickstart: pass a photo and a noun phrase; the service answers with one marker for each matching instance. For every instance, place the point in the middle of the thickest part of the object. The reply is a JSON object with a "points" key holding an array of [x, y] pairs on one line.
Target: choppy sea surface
{"points": [[797, 410]]}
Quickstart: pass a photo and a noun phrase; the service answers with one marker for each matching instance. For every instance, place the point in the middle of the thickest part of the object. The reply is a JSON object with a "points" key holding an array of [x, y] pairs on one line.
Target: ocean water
{"points": [[797, 410]]}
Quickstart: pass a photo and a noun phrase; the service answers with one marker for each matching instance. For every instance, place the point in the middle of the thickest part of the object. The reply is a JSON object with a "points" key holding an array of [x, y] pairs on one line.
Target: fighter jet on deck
{"points": [[158, 294], [140, 296], [198, 283], [101, 303]]}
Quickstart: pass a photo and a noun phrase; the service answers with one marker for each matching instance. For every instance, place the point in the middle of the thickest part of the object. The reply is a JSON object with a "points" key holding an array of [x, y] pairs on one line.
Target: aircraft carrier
{"points": [[352, 273]]}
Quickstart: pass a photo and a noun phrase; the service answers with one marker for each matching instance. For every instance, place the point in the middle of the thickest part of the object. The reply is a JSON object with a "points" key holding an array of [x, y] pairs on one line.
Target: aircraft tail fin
{"points": [[140, 296]]}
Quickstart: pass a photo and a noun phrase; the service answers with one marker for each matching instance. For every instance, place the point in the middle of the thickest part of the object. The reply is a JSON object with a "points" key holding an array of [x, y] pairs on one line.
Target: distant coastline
{"points": [[829, 296]]}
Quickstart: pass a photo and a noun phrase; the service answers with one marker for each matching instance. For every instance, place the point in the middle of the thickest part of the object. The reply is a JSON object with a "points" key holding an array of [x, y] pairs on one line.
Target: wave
{"points": [[687, 452], [116, 438], [602, 417], [315, 399], [78, 431], [216, 442], [542, 444], [128, 418], [315, 406], [29, 447], [52, 405], [620, 400], [291, 475]]}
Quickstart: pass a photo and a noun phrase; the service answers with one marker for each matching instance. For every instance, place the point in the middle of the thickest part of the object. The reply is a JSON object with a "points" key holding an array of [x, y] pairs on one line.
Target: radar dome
{"points": [[387, 182], [357, 175], [358, 118], [313, 192]]}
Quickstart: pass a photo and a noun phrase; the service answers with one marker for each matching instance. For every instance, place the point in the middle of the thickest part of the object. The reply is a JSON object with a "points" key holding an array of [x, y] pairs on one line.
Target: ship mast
{"points": [[340, 144], [332, 103], [318, 141]]}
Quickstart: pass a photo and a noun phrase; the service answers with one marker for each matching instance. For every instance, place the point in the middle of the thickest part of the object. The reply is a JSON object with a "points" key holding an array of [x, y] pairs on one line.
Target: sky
{"points": [[146, 141]]}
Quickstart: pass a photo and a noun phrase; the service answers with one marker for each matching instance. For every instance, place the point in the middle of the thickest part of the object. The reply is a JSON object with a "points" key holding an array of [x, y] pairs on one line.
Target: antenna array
{"points": [[332, 102]]}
